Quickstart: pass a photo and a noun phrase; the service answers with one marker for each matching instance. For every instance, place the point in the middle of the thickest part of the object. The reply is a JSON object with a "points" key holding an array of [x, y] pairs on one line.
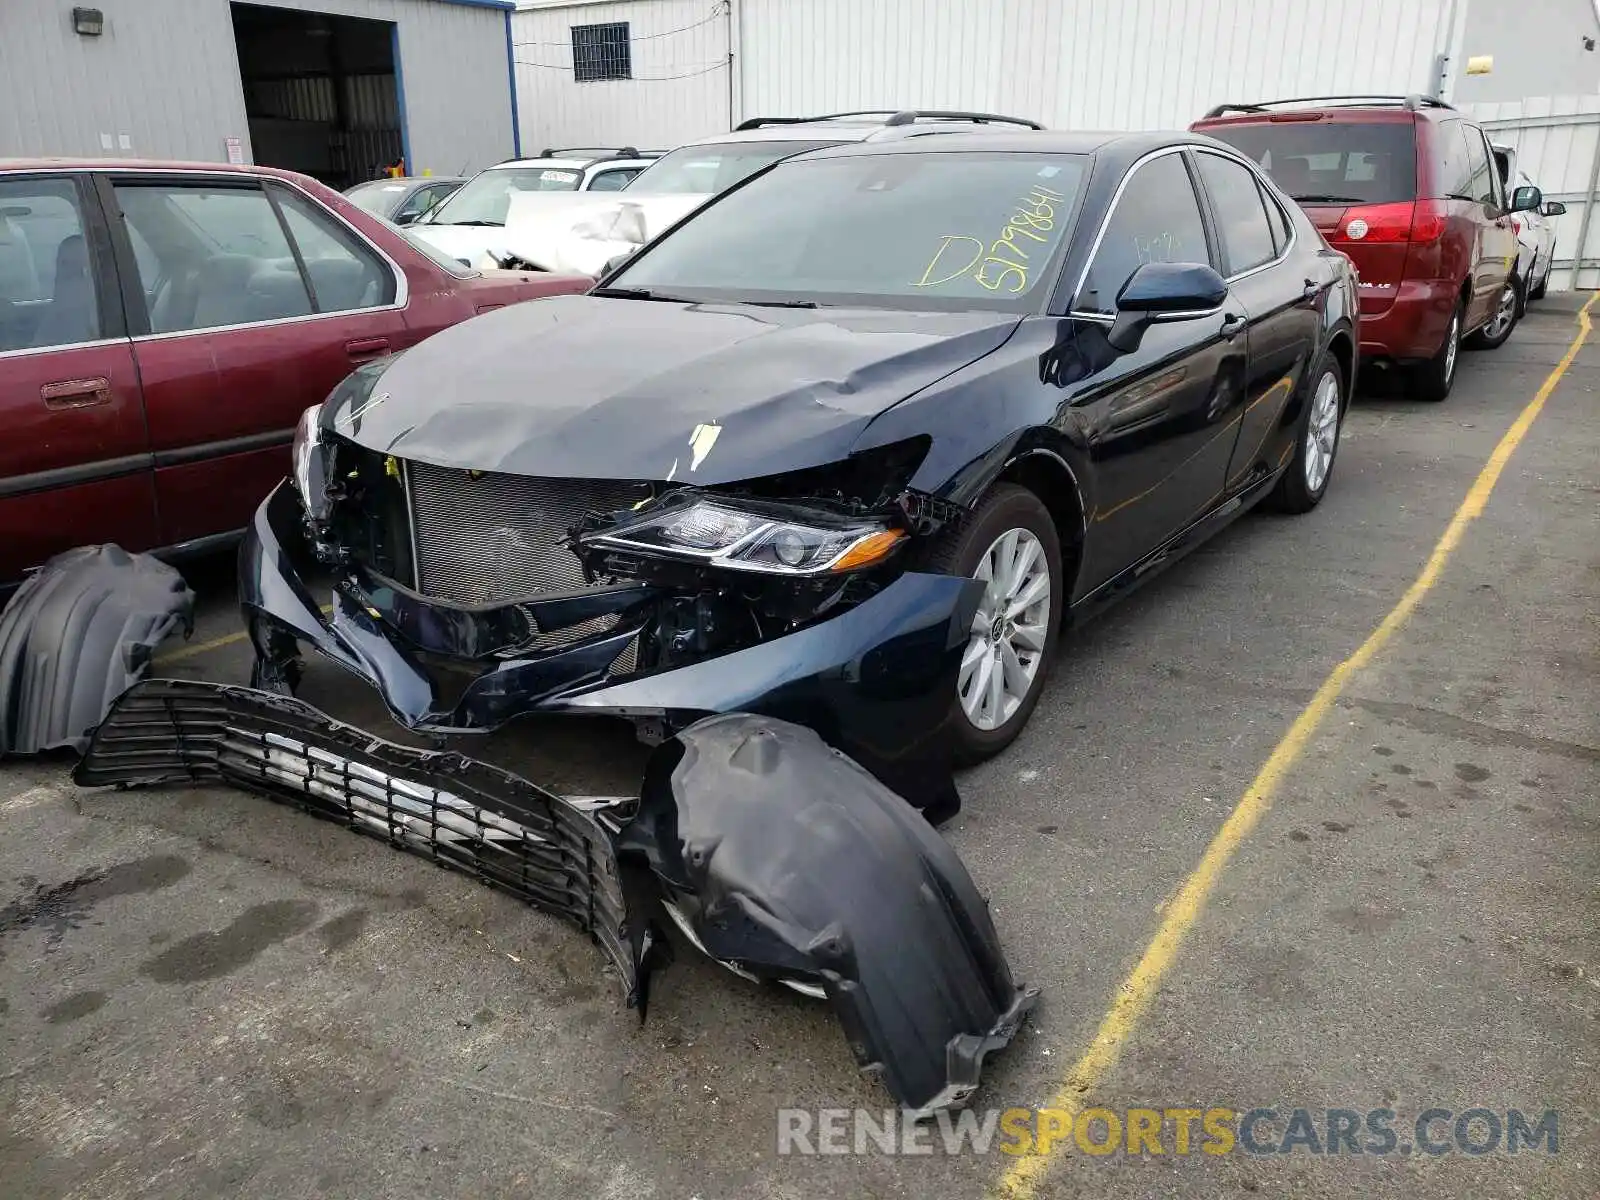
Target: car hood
{"points": [[597, 388], [466, 242]]}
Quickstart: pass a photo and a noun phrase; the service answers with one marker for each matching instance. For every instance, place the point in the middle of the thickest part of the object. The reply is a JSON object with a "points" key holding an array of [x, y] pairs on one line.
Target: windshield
{"points": [[710, 170], [926, 230], [485, 199], [380, 197], [1332, 162]]}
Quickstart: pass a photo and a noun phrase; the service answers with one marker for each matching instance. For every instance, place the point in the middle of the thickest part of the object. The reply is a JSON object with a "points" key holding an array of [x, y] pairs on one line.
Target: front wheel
{"points": [[1506, 311], [1010, 543], [1302, 486]]}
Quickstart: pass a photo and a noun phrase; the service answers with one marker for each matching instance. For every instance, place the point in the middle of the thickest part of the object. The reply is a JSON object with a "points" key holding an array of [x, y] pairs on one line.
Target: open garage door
{"points": [[321, 92]]}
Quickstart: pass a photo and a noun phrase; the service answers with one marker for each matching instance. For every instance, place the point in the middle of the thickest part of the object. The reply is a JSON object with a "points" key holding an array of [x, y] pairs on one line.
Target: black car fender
{"points": [[75, 635]]}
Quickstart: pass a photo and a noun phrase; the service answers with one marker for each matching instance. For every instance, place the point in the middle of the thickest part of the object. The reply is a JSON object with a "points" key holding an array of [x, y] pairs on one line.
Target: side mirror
{"points": [[1526, 199], [406, 218], [1157, 293], [1553, 208]]}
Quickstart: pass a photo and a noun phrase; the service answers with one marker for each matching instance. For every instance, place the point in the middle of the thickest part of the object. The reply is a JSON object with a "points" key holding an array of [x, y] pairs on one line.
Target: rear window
{"points": [[1332, 162]]}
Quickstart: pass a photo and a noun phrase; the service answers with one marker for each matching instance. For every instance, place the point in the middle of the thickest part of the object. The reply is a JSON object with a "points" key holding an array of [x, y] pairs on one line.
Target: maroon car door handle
{"points": [[363, 349], [76, 393]]}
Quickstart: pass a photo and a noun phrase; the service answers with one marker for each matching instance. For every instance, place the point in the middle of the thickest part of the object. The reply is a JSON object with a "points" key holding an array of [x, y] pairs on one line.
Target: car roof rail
{"points": [[1412, 103], [598, 151], [891, 116]]}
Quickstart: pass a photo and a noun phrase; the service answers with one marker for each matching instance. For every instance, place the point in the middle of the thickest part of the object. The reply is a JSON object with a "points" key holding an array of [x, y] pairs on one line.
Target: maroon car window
{"points": [[47, 288], [220, 256], [1331, 162], [1246, 234], [1157, 219], [345, 274], [1482, 184]]}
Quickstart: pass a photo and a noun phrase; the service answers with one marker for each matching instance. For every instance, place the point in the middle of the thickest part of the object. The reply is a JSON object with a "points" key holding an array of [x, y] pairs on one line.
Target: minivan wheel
{"points": [[1010, 543], [1433, 379], [1302, 486], [1507, 310]]}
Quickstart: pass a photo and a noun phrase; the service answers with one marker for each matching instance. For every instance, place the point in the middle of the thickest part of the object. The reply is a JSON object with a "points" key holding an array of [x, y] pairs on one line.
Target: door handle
{"points": [[1232, 326], [76, 393], [1310, 290], [363, 349]]}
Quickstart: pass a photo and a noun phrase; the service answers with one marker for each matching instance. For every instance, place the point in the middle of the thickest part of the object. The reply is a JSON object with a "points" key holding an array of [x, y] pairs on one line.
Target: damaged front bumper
{"points": [[875, 680], [784, 859]]}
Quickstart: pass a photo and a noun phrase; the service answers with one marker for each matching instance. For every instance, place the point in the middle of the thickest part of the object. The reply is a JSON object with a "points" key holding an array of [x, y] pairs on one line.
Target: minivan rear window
{"points": [[1332, 162]]}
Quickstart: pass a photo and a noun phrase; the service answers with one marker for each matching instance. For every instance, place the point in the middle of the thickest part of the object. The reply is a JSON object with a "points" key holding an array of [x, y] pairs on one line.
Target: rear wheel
{"points": [[1303, 485], [1506, 311], [1010, 543], [1434, 378]]}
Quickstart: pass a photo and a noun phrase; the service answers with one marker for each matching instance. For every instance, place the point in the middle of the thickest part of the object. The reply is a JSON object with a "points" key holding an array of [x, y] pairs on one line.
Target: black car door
{"points": [[1160, 420], [1280, 301]]}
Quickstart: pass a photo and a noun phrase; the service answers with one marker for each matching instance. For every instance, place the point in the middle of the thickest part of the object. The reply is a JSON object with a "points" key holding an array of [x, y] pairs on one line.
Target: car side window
{"points": [[1247, 240], [344, 272], [1278, 218], [218, 256], [48, 294], [1157, 219], [611, 181], [419, 202], [1480, 182], [1455, 168], [1496, 191]]}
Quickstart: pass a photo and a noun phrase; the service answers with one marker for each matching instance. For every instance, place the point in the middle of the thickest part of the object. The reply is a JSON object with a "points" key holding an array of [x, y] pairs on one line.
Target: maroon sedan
{"points": [[162, 327]]}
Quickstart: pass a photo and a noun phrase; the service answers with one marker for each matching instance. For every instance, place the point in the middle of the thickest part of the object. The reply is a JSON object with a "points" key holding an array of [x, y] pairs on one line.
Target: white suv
{"points": [[582, 233]]}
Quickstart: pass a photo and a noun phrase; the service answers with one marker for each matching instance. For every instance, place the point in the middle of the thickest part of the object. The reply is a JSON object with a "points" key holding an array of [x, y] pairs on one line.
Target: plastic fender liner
{"points": [[459, 812], [75, 635], [792, 861]]}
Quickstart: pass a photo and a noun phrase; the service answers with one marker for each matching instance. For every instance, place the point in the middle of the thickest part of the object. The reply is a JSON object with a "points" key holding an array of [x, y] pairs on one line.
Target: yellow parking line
{"points": [[199, 648], [1134, 994]]}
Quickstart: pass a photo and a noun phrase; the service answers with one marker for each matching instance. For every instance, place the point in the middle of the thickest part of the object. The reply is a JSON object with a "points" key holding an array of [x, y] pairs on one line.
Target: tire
{"points": [[1007, 510], [1433, 379], [1301, 487], [1508, 308]]}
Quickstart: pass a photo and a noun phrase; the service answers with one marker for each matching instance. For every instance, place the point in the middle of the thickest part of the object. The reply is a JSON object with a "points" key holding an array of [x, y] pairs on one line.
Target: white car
{"points": [[583, 231], [463, 225], [1536, 231]]}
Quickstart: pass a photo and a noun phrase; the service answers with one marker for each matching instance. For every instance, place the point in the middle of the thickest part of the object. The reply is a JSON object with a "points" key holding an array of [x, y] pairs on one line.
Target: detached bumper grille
{"points": [[492, 537], [461, 813]]}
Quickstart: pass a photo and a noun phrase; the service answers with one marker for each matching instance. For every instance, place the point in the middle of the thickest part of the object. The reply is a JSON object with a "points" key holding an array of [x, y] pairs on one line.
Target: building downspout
{"points": [[1455, 33], [735, 65]]}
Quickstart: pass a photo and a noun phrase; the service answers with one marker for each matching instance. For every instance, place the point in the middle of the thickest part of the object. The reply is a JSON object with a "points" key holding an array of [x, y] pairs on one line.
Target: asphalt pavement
{"points": [[204, 994]]}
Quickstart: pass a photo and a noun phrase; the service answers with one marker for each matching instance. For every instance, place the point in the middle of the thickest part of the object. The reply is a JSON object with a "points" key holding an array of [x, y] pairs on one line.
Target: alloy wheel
{"points": [[1504, 315], [1452, 346], [1322, 432], [1005, 648]]}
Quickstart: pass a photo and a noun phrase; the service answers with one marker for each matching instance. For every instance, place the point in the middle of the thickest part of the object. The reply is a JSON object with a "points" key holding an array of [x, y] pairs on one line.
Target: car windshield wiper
{"points": [[489, 224], [1322, 198], [627, 293], [782, 303]]}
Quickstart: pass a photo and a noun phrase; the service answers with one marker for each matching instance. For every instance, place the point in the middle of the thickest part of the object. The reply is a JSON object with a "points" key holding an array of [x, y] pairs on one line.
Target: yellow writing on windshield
{"points": [[1029, 234]]}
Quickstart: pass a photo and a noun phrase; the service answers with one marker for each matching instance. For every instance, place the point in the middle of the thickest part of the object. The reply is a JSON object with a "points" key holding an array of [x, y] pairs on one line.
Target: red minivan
{"points": [[1406, 187], [163, 326]]}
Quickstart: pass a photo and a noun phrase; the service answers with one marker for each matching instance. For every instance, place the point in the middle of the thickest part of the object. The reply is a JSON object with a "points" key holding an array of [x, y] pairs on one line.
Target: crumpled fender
{"points": [[792, 862], [75, 636]]}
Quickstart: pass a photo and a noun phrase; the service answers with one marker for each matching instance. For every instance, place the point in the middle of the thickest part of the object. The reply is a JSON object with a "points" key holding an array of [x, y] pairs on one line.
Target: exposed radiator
{"points": [[490, 537]]}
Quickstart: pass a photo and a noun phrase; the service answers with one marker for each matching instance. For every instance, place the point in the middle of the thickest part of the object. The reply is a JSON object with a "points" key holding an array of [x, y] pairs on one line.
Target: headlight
{"points": [[309, 463], [755, 538]]}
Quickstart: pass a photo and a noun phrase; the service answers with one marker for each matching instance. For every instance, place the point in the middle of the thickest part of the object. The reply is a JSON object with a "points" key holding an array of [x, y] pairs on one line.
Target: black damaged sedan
{"points": [[751, 469], [807, 490]]}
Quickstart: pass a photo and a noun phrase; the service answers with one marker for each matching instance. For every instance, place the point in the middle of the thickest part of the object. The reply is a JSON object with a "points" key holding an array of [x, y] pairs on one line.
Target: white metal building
{"points": [[335, 88], [688, 68]]}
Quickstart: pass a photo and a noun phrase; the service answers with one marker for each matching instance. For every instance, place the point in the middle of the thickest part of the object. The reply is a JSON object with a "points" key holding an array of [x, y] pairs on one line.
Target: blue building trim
{"points": [[400, 97], [511, 68]]}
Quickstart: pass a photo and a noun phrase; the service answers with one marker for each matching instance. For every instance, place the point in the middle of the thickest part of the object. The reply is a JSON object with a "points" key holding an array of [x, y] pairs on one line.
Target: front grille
{"points": [[487, 537], [459, 812]]}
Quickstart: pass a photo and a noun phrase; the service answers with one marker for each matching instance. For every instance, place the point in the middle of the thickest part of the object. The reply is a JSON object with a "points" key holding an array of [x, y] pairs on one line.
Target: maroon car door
{"points": [[252, 302], [74, 457]]}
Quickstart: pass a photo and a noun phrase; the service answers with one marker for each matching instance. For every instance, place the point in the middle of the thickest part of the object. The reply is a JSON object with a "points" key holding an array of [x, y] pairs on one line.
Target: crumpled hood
{"points": [[595, 388]]}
